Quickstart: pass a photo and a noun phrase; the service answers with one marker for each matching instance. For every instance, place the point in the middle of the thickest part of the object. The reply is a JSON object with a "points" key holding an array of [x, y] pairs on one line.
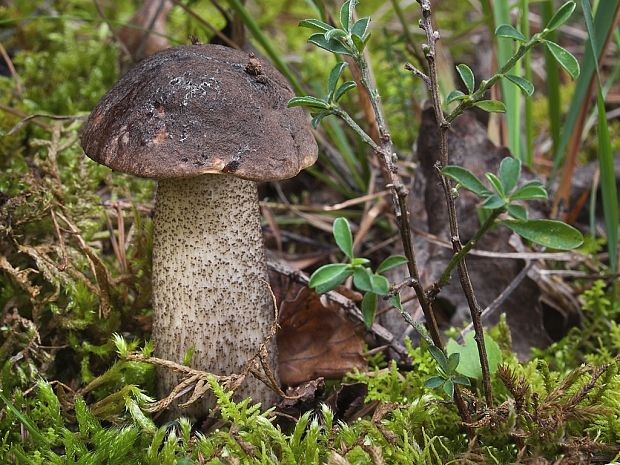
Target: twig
{"points": [[206, 23], [430, 50], [386, 156], [12, 72]]}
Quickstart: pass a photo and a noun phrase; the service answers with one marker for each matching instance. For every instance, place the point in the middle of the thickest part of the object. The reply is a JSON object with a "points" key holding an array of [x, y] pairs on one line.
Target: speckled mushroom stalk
{"points": [[210, 284], [207, 122]]}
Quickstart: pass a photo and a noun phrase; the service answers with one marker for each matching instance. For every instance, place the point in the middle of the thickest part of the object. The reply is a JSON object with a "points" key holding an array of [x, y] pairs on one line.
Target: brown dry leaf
{"points": [[315, 340]]}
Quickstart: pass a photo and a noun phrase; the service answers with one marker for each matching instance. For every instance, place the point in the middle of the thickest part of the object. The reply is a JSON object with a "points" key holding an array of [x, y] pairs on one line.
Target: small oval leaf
{"points": [[561, 16], [333, 46], [509, 173], [467, 179], [492, 106], [549, 233], [518, 212], [334, 77], [455, 95], [360, 27], [343, 89], [317, 118], [496, 183], [565, 59], [533, 190], [316, 25], [335, 34], [342, 234], [448, 388], [493, 202], [380, 284], [369, 308], [362, 279], [467, 76], [391, 262], [308, 101], [509, 32], [328, 274], [526, 86], [434, 382]]}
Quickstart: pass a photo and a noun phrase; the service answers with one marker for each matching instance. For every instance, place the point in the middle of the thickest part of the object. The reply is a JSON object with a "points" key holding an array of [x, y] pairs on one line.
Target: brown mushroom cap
{"points": [[199, 109]]}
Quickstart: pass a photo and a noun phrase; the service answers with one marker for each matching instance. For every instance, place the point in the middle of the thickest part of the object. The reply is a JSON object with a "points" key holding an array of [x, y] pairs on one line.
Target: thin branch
{"points": [[430, 51]]}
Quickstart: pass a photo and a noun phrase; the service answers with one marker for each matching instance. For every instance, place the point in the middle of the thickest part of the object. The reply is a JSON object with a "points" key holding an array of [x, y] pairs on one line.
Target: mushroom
{"points": [[208, 122]]}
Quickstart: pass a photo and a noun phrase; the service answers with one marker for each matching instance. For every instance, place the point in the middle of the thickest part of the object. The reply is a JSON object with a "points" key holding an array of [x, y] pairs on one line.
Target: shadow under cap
{"points": [[200, 109]]}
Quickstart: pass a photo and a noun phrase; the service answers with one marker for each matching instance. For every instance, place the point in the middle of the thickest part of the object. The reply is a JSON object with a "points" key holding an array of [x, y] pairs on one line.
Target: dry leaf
{"points": [[315, 340]]}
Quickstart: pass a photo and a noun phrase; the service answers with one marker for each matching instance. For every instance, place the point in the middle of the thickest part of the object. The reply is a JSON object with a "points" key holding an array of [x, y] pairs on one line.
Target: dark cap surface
{"points": [[200, 109]]}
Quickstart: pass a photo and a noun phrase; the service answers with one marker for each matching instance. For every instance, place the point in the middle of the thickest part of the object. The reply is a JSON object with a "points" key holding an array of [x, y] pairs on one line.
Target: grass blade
{"points": [[603, 25], [511, 94], [528, 150], [605, 156]]}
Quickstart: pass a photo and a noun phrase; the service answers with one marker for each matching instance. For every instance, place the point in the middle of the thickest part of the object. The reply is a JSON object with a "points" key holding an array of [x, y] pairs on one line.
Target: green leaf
{"points": [[517, 211], [395, 302], [531, 190], [462, 380], [455, 95], [369, 308], [509, 173], [467, 76], [493, 202], [564, 58], [316, 25], [343, 89], [308, 101], [362, 279], [496, 183], [448, 388], [335, 35], [334, 77], [509, 32], [526, 86], [549, 233], [359, 43], [467, 179], [360, 261], [492, 106], [608, 181], [561, 16], [329, 277], [333, 46], [346, 13], [360, 27], [391, 262], [342, 234], [380, 284], [434, 382], [453, 362], [439, 357], [469, 364], [316, 120]]}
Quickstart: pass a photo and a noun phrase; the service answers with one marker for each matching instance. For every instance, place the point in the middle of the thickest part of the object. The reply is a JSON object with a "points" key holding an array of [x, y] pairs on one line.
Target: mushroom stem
{"points": [[210, 280]]}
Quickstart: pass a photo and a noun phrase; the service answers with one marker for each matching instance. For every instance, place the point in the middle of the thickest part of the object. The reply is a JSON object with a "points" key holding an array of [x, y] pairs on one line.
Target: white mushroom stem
{"points": [[210, 289]]}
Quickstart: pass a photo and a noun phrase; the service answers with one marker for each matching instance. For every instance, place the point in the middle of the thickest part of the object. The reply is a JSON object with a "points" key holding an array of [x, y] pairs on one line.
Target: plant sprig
{"points": [[475, 97], [371, 283]]}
